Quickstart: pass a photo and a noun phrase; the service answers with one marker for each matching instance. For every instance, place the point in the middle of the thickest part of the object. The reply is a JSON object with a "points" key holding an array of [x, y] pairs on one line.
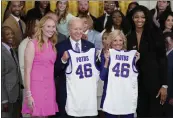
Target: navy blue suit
{"points": [[59, 71], [169, 109]]}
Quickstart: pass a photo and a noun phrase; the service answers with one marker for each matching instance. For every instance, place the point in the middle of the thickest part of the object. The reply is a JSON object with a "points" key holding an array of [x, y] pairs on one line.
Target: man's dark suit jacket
{"points": [[99, 25], [59, 70], [170, 74], [152, 65]]}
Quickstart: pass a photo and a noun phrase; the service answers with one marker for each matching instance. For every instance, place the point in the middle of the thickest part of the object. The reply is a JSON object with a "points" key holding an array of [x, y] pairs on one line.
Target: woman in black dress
{"points": [[152, 80]]}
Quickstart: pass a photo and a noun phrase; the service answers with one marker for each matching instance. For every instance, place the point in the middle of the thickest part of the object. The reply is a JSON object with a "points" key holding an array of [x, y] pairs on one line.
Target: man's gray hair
{"points": [[72, 20]]}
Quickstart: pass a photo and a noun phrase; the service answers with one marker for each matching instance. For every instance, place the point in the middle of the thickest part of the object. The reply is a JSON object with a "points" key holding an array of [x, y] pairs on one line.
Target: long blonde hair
{"points": [[63, 16], [116, 33], [39, 33]]}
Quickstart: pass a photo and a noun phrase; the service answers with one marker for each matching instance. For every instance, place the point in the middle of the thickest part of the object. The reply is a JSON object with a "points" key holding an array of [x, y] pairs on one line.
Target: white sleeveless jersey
{"points": [[122, 88], [81, 81]]}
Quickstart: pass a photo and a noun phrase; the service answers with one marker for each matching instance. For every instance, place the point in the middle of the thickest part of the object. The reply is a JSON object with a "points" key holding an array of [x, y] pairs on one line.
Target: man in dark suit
{"points": [[169, 45], [109, 7], [11, 80], [75, 31]]}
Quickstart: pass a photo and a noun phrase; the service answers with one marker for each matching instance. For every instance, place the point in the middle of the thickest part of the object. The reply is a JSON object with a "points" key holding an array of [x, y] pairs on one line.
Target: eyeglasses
{"points": [[107, 4]]}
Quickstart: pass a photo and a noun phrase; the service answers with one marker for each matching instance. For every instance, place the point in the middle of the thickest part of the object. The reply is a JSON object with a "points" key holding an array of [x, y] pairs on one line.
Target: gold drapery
{"points": [[96, 7]]}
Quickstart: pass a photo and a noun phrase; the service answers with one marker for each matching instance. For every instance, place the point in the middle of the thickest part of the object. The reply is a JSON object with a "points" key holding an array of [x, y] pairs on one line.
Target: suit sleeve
{"points": [[170, 76], [161, 57], [59, 67], [3, 82]]}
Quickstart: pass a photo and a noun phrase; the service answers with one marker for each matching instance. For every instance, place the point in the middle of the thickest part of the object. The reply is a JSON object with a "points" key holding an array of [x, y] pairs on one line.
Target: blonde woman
{"points": [[120, 80], [63, 16], [39, 58]]}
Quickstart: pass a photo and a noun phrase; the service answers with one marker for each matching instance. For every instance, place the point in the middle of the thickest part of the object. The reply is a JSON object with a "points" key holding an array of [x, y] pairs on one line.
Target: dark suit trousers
{"points": [[15, 109], [168, 110], [148, 104]]}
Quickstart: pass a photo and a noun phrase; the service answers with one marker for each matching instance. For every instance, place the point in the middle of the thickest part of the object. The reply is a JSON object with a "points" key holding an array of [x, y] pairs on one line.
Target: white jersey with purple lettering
{"points": [[81, 81], [122, 88]]}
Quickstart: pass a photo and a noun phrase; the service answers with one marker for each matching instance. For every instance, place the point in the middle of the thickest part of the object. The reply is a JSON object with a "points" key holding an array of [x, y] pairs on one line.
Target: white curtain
{"points": [[151, 4]]}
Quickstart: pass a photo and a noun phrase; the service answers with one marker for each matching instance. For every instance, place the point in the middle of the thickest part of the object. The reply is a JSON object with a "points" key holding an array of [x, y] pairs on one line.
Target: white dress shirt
{"points": [[73, 44], [106, 19], [167, 53]]}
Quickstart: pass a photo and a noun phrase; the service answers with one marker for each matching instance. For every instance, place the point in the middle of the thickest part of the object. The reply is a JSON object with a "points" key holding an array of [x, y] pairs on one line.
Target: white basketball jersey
{"points": [[81, 81], [122, 88]]}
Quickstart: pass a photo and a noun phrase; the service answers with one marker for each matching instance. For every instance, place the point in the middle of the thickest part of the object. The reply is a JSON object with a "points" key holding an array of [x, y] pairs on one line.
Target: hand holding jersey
{"points": [[122, 88], [81, 81]]}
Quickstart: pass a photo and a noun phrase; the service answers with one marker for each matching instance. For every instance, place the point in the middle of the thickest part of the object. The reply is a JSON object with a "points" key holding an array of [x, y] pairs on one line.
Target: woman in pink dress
{"points": [[40, 55]]}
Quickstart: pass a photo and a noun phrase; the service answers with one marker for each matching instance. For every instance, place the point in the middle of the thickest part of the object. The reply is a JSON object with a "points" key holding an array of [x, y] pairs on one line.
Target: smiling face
{"points": [[16, 8], [139, 19], [76, 29], [169, 23], [117, 43], [117, 18], [109, 6], [49, 28], [7, 36], [62, 5]]}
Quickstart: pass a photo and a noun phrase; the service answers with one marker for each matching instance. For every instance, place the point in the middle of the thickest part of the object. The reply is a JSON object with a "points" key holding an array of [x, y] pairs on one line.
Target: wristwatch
{"points": [[165, 86]]}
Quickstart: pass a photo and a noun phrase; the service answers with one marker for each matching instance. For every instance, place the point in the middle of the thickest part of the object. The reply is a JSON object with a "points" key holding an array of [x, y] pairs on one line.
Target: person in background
{"points": [[109, 7], [166, 25], [61, 37], [117, 21], [23, 14], [11, 80], [30, 33], [15, 23], [83, 10], [152, 65], [40, 10], [169, 47], [39, 58], [63, 16], [158, 13], [89, 33], [105, 46], [7, 11], [131, 6]]}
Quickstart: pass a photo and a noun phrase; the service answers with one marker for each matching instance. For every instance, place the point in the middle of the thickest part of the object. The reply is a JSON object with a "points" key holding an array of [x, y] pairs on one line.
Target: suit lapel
{"points": [[84, 47], [15, 57], [14, 21], [69, 44], [4, 49]]}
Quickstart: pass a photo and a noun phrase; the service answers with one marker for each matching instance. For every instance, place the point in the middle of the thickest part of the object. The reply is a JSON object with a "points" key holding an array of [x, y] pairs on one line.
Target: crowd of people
{"points": [[58, 65]]}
